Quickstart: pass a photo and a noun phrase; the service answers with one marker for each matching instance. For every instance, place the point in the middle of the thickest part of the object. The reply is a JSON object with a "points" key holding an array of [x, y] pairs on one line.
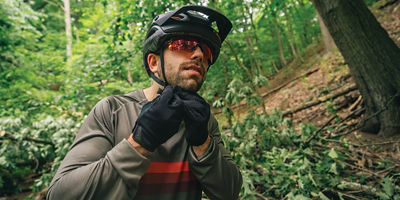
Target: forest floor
{"points": [[323, 87], [321, 75]]}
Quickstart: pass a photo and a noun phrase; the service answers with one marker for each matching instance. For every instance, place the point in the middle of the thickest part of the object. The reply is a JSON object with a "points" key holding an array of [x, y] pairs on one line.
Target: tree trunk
{"points": [[255, 31], [249, 74], [260, 70], [67, 19], [306, 27], [328, 41], [227, 81], [373, 59], [250, 55], [291, 34], [275, 67], [278, 37]]}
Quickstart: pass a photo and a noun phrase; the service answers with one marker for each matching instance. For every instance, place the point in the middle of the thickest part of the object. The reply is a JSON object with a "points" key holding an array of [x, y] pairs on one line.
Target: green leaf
{"points": [[388, 186], [333, 169], [300, 197], [322, 196], [332, 153]]}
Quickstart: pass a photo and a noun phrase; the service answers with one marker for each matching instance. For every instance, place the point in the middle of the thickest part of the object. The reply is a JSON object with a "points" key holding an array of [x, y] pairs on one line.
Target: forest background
{"points": [[59, 58]]}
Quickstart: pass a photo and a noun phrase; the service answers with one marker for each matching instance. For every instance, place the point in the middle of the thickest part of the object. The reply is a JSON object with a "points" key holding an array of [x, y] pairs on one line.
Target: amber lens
{"points": [[190, 46]]}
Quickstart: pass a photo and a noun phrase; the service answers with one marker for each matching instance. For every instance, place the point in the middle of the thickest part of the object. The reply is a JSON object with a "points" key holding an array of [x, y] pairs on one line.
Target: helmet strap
{"points": [[163, 68], [155, 78]]}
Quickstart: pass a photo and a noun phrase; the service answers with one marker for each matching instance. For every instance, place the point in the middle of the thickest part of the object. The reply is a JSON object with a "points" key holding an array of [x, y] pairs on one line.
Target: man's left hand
{"points": [[197, 114]]}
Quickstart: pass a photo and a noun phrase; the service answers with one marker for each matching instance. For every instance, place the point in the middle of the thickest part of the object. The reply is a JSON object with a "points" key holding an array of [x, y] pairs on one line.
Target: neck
{"points": [[151, 92]]}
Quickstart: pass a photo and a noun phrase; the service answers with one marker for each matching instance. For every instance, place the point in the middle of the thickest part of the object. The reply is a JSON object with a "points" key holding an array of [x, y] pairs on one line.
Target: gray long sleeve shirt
{"points": [[102, 164]]}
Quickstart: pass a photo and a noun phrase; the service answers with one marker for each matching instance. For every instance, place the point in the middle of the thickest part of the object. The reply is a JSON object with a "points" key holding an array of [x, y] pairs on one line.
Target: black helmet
{"points": [[193, 21]]}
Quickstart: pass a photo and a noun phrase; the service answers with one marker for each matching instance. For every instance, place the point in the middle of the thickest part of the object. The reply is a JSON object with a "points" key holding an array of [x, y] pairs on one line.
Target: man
{"points": [[160, 142]]}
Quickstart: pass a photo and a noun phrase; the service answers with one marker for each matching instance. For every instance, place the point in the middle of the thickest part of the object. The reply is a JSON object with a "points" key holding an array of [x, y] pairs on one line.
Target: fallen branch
{"points": [[349, 131], [321, 100], [358, 187], [388, 169], [10, 137], [346, 195], [290, 81], [317, 132], [275, 89], [355, 112], [363, 169], [355, 104], [359, 126], [260, 196], [382, 143]]}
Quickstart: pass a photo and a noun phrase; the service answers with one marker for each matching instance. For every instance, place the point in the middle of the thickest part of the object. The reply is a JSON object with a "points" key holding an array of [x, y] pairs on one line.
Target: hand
{"points": [[159, 119], [197, 114]]}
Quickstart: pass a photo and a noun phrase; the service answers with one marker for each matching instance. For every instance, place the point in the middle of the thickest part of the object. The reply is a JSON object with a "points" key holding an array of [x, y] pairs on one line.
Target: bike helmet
{"points": [[186, 21]]}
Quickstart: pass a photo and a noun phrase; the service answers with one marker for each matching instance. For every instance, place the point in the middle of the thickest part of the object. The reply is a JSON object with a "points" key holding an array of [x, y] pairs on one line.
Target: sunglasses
{"points": [[190, 45]]}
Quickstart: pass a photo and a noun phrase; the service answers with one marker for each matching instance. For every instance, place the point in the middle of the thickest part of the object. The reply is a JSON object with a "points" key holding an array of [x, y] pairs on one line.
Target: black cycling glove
{"points": [[197, 114], [159, 119]]}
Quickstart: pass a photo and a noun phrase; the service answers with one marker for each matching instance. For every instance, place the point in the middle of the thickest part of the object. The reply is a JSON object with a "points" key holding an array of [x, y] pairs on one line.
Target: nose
{"points": [[198, 54]]}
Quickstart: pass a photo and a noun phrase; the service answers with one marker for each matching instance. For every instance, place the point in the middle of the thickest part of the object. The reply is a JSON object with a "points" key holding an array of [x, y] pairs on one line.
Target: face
{"points": [[186, 69]]}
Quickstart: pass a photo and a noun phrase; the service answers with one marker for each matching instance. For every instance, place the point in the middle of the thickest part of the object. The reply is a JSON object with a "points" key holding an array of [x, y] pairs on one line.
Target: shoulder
{"points": [[213, 124], [114, 103]]}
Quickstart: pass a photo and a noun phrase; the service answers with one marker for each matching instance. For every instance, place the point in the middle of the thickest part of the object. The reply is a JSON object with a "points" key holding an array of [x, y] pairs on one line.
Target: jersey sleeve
{"points": [[95, 167], [217, 173]]}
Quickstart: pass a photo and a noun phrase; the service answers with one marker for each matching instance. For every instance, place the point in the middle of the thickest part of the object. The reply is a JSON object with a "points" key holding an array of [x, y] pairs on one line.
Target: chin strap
{"points": [[154, 77], [163, 83]]}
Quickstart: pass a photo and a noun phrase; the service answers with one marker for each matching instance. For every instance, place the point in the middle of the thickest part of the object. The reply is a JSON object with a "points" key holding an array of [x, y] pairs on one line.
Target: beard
{"points": [[178, 78]]}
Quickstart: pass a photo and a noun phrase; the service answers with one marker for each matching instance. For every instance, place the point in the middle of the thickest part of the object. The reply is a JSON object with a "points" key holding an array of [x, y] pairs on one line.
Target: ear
{"points": [[153, 60]]}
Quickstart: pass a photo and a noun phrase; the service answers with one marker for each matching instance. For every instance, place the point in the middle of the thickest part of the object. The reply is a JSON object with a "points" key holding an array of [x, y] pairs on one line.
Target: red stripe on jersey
{"points": [[156, 178], [167, 178], [167, 188], [168, 167]]}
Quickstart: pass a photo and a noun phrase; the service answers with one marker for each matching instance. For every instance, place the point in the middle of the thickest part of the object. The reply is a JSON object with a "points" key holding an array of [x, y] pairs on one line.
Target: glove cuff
{"points": [[139, 136]]}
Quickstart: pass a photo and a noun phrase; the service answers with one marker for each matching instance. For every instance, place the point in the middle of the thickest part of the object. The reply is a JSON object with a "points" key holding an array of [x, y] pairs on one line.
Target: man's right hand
{"points": [[159, 120]]}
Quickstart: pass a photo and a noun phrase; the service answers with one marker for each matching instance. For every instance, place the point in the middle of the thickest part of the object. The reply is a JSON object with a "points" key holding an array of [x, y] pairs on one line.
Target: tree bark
{"points": [[373, 59], [327, 38], [68, 33]]}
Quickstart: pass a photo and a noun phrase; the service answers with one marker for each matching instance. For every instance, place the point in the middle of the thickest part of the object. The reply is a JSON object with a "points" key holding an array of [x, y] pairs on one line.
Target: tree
{"points": [[67, 17], [328, 41], [373, 59]]}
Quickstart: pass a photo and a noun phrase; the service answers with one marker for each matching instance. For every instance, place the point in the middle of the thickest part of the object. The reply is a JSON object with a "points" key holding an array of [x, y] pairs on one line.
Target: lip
{"points": [[195, 68]]}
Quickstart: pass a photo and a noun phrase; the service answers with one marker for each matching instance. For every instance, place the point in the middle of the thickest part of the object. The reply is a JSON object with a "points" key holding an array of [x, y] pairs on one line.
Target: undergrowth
{"points": [[277, 162], [277, 159]]}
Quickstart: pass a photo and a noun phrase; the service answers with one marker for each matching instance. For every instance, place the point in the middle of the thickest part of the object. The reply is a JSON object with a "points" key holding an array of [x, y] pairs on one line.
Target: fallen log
{"points": [[320, 100], [290, 81], [5, 135]]}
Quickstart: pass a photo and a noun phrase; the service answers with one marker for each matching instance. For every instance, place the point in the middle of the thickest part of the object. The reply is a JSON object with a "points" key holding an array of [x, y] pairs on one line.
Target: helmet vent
{"points": [[180, 17]]}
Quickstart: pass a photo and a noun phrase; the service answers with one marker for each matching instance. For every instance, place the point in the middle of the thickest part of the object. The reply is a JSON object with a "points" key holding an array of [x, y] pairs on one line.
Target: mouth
{"points": [[195, 69]]}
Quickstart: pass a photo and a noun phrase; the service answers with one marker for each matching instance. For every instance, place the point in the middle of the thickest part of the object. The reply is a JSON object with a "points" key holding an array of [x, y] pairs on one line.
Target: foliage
{"points": [[275, 160], [21, 157]]}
